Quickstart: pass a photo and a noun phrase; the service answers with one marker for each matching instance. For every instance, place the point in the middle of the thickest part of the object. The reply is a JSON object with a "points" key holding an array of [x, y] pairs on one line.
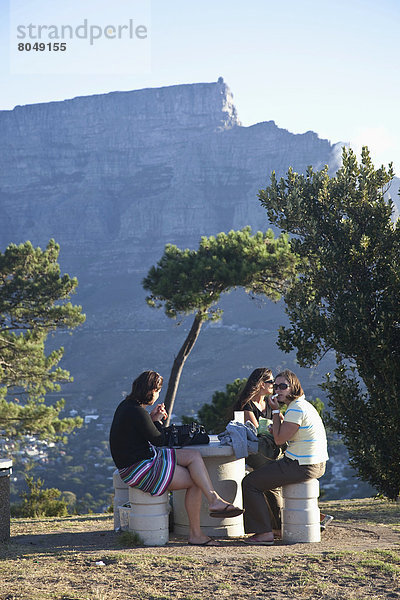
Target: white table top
{"points": [[5, 463], [214, 448]]}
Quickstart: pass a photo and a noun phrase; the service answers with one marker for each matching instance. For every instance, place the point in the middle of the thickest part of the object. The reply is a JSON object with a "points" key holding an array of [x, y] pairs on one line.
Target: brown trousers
{"points": [[262, 493]]}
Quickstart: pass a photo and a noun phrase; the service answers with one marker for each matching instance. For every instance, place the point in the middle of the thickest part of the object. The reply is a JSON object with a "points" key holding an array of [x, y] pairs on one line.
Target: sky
{"points": [[327, 66]]}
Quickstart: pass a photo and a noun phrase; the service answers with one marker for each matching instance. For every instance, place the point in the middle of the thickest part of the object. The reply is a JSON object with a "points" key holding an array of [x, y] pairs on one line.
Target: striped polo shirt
{"points": [[308, 445]]}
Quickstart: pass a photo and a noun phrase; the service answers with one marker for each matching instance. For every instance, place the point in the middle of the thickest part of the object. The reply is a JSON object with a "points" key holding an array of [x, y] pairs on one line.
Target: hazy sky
{"points": [[327, 66]]}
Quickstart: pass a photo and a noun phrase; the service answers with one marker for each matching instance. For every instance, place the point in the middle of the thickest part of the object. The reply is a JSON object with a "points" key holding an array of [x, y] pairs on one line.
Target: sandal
{"points": [[209, 542], [229, 511]]}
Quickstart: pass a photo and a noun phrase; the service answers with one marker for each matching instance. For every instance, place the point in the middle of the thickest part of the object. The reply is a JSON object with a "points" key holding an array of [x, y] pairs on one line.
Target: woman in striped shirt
{"points": [[305, 457]]}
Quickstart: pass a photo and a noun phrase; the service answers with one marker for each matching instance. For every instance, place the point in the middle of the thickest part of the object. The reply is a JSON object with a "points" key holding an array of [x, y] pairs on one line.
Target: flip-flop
{"points": [[210, 542], [252, 542], [227, 512]]}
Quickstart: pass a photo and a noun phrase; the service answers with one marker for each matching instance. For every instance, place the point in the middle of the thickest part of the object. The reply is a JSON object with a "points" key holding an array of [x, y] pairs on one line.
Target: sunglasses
{"points": [[281, 386], [268, 381]]}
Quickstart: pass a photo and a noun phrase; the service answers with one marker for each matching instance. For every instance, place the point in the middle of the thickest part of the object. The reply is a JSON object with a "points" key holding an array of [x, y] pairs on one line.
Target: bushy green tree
{"points": [[216, 415], [39, 502], [33, 302], [346, 300], [192, 281]]}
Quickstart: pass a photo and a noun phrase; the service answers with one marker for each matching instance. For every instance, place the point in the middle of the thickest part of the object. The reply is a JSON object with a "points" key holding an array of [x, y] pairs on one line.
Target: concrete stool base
{"points": [[149, 517], [224, 477], [121, 497], [300, 512]]}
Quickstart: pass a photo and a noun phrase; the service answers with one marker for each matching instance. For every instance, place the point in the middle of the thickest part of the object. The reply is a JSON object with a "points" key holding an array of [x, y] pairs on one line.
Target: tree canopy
{"points": [[33, 302], [216, 415], [346, 300], [192, 281]]}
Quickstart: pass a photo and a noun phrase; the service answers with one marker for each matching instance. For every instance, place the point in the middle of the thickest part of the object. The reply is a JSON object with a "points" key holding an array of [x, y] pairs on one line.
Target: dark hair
{"points": [[252, 387], [144, 386], [294, 382]]}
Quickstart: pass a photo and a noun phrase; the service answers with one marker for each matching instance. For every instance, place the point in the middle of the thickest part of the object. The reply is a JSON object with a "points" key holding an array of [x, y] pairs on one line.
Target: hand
{"points": [[273, 402], [159, 413]]}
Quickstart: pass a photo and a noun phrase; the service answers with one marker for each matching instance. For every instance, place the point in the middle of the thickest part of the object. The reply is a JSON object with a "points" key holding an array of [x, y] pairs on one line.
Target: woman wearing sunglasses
{"points": [[305, 458], [252, 399]]}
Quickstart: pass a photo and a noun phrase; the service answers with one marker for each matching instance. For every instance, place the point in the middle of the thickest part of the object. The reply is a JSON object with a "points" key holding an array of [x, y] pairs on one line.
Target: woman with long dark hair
{"points": [[136, 440], [252, 399]]}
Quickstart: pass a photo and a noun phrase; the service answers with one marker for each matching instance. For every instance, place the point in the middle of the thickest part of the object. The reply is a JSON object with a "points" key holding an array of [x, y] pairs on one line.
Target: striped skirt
{"points": [[152, 475]]}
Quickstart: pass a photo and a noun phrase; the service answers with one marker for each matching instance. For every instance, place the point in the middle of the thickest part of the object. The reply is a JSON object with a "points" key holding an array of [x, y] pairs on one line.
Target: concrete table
{"points": [[5, 472], [226, 473]]}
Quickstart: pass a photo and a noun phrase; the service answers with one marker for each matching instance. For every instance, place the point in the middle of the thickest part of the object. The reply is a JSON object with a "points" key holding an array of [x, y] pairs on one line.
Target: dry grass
{"points": [[56, 559]]}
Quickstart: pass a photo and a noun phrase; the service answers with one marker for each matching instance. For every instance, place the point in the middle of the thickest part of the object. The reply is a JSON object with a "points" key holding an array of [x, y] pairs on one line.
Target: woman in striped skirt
{"points": [[136, 440]]}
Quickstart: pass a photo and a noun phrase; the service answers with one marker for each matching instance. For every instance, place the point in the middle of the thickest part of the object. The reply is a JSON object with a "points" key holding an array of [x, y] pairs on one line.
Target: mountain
{"points": [[113, 178]]}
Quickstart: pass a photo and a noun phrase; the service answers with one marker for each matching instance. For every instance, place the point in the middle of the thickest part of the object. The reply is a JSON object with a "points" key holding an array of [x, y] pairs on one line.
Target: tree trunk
{"points": [[179, 362]]}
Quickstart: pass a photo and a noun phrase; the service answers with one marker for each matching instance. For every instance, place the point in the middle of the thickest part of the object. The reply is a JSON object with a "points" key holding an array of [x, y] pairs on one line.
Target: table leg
{"points": [[226, 474]]}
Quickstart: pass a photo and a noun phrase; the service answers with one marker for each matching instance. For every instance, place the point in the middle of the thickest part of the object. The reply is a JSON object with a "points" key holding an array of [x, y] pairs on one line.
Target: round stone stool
{"points": [[149, 517], [121, 497], [300, 512]]}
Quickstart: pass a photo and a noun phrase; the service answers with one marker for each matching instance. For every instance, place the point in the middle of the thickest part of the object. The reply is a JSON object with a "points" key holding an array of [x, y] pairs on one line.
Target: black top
{"points": [[251, 407], [131, 431]]}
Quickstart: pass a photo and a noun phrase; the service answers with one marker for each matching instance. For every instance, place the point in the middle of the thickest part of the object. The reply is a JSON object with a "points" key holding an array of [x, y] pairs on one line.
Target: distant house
{"points": [[90, 418]]}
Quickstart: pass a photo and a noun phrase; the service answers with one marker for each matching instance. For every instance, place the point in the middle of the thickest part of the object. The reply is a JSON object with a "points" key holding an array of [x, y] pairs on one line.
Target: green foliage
{"points": [[33, 302], [85, 504], [39, 502], [318, 405], [216, 415], [35, 417], [188, 281], [70, 500], [347, 300]]}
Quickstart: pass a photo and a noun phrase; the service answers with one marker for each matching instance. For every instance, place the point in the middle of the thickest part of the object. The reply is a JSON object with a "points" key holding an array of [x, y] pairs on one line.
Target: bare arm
{"points": [[282, 432], [250, 416]]}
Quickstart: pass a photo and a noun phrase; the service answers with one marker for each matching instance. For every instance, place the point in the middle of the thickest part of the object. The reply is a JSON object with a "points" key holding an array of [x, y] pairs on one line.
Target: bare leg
{"points": [[191, 474], [182, 481], [193, 461]]}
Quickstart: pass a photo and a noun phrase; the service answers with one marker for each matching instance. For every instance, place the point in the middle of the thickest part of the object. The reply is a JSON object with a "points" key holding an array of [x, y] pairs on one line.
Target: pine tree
{"points": [[192, 281], [33, 302]]}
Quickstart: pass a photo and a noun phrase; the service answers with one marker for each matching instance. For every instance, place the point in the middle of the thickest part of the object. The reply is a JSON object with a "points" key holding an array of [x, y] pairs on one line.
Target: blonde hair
{"points": [[294, 382]]}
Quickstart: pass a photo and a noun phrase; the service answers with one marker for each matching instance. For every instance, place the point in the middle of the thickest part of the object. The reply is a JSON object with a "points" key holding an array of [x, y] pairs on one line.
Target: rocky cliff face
{"points": [[172, 163], [113, 178]]}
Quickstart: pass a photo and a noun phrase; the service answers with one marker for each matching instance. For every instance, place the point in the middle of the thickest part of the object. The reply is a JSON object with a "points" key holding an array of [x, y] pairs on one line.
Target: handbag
{"points": [[267, 451], [186, 435]]}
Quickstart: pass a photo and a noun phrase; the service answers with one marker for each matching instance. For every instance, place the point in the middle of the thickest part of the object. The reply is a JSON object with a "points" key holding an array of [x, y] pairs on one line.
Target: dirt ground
{"points": [[358, 558]]}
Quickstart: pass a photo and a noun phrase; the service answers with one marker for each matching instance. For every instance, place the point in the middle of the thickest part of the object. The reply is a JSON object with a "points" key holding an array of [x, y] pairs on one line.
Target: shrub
{"points": [[39, 502]]}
